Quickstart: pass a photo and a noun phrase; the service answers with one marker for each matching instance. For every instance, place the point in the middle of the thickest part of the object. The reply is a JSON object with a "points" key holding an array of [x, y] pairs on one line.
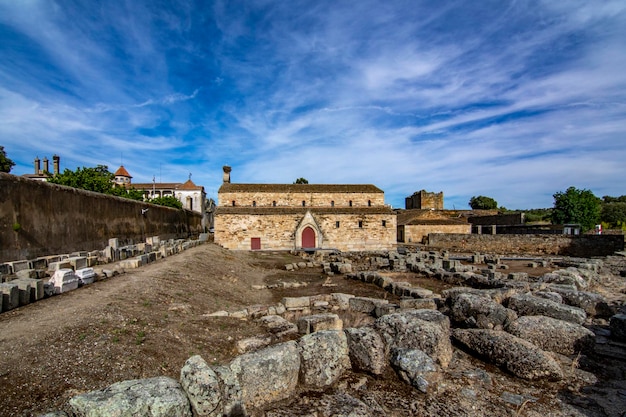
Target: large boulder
{"points": [[553, 334], [317, 322], [617, 324], [281, 361], [324, 358], [427, 330], [472, 310], [366, 350], [202, 386], [529, 305], [152, 397], [594, 304], [414, 367], [518, 356]]}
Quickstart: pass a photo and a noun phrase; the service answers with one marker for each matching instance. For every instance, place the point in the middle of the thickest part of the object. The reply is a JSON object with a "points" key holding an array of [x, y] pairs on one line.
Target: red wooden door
{"points": [[308, 238], [255, 243]]}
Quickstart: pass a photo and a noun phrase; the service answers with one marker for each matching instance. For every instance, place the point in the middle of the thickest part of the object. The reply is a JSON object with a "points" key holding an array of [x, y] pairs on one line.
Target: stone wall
{"points": [[267, 199], [417, 233], [424, 200], [38, 219], [278, 231], [582, 246]]}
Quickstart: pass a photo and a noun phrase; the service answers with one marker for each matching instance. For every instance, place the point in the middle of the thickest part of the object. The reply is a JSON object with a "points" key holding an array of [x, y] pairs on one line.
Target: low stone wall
{"points": [[579, 246], [38, 219]]}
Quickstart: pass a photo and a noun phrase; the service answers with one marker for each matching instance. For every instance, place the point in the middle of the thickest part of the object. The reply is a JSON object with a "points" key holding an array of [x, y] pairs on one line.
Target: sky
{"points": [[514, 100]]}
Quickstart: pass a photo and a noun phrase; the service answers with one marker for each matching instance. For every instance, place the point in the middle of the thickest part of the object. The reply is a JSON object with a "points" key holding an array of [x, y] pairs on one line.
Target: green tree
{"points": [[576, 206], [5, 163], [483, 203], [301, 181], [97, 179], [614, 214], [130, 193], [167, 201]]}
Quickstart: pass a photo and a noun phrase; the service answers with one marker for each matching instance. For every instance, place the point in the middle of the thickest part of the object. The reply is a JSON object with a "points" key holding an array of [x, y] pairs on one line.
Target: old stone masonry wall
{"points": [[534, 328]]}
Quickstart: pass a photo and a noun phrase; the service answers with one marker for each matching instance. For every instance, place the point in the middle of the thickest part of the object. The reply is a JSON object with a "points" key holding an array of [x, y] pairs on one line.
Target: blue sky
{"points": [[514, 100]]}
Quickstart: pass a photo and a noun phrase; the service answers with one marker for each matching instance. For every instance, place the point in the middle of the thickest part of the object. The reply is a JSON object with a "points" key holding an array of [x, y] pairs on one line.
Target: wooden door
{"points": [[308, 238]]}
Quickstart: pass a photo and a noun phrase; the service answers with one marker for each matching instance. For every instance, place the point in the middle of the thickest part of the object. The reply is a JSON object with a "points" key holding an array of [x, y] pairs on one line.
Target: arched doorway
{"points": [[308, 238]]}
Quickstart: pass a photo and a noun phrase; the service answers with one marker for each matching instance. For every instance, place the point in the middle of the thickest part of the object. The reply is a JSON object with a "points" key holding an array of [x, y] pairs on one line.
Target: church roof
{"points": [[121, 172], [298, 188], [189, 185]]}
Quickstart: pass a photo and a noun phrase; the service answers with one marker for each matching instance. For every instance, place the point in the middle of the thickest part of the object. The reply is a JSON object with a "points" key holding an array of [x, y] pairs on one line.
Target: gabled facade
{"points": [[347, 217]]}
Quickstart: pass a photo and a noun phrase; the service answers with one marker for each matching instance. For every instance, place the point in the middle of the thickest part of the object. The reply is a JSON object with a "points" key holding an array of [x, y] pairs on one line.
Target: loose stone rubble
{"points": [[46, 276], [535, 328]]}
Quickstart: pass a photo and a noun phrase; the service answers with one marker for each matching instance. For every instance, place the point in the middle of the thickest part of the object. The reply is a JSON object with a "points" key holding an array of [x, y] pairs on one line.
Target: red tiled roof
{"points": [[121, 171], [189, 185]]}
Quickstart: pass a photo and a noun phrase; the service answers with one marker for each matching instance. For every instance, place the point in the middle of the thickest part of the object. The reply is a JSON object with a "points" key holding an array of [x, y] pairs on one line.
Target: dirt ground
{"points": [[147, 322]]}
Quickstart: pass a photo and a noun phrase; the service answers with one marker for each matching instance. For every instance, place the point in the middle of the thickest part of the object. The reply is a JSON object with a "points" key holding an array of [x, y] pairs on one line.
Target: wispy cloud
{"points": [[496, 98]]}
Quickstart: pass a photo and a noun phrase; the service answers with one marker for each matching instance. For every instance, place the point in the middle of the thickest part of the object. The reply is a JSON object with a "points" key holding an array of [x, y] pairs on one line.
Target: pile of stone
{"points": [[26, 281]]}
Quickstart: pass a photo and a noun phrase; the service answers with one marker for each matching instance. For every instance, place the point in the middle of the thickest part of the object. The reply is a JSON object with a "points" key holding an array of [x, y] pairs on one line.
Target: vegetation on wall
{"points": [[98, 179], [167, 201], [5, 163], [301, 181]]}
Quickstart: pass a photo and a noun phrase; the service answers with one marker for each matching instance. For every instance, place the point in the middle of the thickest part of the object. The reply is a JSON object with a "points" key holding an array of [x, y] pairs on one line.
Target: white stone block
{"points": [[64, 280], [85, 276]]}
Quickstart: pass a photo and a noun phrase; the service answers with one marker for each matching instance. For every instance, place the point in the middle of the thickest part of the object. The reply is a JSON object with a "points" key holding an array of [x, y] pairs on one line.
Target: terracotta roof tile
{"points": [[121, 171]]}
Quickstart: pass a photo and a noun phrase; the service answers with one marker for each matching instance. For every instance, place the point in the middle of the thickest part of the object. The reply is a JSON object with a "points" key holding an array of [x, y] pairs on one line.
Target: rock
{"points": [[516, 355], [365, 304], [342, 300], [414, 367], [366, 350], [10, 294], [317, 322], [553, 335], [324, 358], [617, 324], [154, 397], [64, 280], [278, 326], [296, 303], [569, 276], [549, 295], [230, 388], [472, 310], [427, 330], [253, 343], [202, 386], [529, 305], [281, 361], [418, 303], [593, 304]]}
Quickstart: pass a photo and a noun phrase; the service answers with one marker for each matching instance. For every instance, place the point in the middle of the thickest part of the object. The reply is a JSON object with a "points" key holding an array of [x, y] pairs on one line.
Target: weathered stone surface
{"points": [[529, 305], [292, 303], [341, 300], [27, 273], [427, 330], [152, 397], [569, 276], [324, 357], [366, 350], [201, 384], [414, 367], [278, 326], [232, 401], [36, 288], [418, 304], [281, 361], [317, 322], [594, 304], [253, 343], [365, 304], [617, 324], [64, 280], [552, 334], [24, 291], [549, 295], [10, 294], [470, 310], [516, 355]]}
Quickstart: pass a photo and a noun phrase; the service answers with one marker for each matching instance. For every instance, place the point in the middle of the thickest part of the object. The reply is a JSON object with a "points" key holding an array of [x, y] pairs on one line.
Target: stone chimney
{"points": [[55, 163], [46, 167], [227, 170], [37, 166]]}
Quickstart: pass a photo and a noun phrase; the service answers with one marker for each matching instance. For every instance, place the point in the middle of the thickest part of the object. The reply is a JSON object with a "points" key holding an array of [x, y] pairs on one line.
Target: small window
{"points": [[360, 223], [332, 204], [337, 225], [350, 203], [254, 204], [233, 203], [303, 203], [273, 203], [384, 223], [369, 203]]}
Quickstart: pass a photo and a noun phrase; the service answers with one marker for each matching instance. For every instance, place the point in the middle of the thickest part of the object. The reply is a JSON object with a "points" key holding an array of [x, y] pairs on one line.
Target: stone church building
{"points": [[347, 217]]}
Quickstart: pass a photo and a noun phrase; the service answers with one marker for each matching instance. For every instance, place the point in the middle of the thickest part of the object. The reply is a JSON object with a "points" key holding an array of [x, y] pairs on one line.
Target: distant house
{"points": [[44, 174], [415, 225], [346, 217], [191, 196]]}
